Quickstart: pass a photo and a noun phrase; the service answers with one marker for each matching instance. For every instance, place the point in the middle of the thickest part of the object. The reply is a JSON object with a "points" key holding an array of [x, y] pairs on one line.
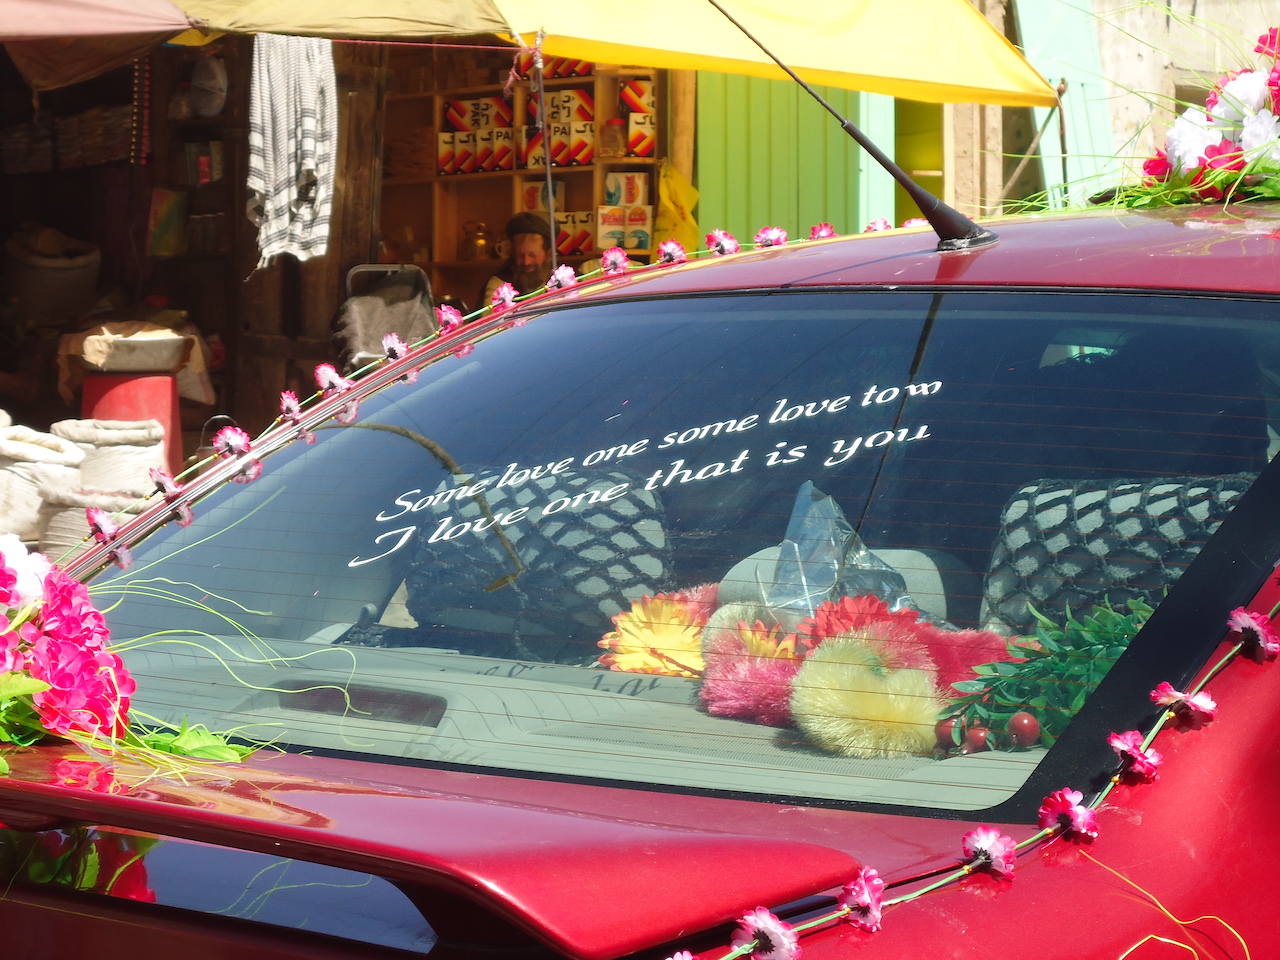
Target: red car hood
{"points": [[593, 872]]}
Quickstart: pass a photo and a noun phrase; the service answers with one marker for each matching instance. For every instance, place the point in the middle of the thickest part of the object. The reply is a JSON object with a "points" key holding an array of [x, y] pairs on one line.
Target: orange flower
{"points": [[660, 634]]}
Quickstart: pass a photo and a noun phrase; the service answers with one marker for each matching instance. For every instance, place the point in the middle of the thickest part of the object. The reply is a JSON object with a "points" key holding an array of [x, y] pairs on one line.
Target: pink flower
{"points": [[250, 472], [1225, 155], [88, 691], [1191, 711], [1158, 167], [330, 381], [68, 614], [103, 528], [504, 296], [876, 225], [771, 237], [681, 955], [1269, 44], [396, 349], [614, 261], [721, 243], [165, 484], [671, 251], [11, 656], [232, 441], [1257, 635], [989, 849], [821, 231], [1062, 808], [861, 896], [447, 318], [463, 350], [291, 413], [1139, 764], [562, 277], [768, 937], [915, 222]]}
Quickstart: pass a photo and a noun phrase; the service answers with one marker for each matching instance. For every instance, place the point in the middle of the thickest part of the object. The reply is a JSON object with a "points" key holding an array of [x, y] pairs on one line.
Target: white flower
{"points": [[1239, 98], [1261, 136], [1190, 135], [31, 569]]}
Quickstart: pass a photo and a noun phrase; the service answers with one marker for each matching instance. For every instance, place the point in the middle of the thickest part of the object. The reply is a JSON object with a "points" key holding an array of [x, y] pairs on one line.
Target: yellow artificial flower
{"points": [[661, 634]]}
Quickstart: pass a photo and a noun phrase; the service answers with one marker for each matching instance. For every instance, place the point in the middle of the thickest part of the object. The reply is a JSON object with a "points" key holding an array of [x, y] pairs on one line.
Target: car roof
{"points": [[1210, 248]]}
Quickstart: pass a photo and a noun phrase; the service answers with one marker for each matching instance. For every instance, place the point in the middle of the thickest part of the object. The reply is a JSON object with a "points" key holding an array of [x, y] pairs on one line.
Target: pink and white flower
{"points": [[1235, 97], [232, 441], [1139, 764], [250, 472], [878, 224], [330, 381], [986, 848], [1063, 809], [614, 261], [821, 231], [770, 237], [503, 297], [29, 571], [1191, 710], [768, 937], [915, 222], [291, 413], [722, 243], [671, 251], [1269, 44], [1258, 637], [463, 350], [862, 897], [562, 277], [448, 318], [396, 349]]}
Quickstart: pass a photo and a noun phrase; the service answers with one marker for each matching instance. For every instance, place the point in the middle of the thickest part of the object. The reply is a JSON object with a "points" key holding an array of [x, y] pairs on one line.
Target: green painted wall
{"points": [[768, 154]]}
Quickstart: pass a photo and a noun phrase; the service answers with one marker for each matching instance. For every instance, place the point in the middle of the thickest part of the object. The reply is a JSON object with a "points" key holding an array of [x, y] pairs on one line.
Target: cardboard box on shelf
{"points": [[464, 151], [585, 230], [636, 95], [504, 148], [532, 146], [582, 143], [484, 148], [642, 132], [462, 115], [639, 227], [446, 159], [626, 188], [533, 195], [558, 137], [575, 232], [611, 227]]}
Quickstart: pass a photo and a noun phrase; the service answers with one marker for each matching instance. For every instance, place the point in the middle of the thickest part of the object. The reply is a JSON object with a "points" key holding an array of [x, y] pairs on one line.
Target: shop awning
{"points": [[941, 51]]}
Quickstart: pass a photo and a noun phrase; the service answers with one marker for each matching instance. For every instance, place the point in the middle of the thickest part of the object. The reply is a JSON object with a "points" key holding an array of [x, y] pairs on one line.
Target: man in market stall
{"points": [[529, 264]]}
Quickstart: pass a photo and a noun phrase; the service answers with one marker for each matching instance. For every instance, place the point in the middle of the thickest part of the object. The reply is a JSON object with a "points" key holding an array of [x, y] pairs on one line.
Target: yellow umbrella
{"points": [[941, 51]]}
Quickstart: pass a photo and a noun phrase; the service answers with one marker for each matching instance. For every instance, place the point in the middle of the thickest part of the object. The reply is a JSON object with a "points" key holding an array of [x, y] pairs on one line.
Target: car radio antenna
{"points": [[955, 231]]}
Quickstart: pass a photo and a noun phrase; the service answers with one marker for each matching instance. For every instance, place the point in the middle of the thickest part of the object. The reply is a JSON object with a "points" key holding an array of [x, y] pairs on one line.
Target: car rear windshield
{"points": [[854, 546]]}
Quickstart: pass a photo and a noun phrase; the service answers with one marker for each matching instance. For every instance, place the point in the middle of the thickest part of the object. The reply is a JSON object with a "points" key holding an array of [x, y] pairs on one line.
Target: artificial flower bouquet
{"points": [[1230, 149], [59, 676]]}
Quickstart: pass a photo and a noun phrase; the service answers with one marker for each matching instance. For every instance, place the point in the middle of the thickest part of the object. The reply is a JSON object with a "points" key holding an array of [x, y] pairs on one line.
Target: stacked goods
{"points": [[570, 129], [626, 219], [638, 102], [478, 136]]}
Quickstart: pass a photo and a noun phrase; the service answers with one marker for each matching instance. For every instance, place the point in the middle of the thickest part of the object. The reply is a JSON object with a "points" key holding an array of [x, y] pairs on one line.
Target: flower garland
{"points": [[1063, 814], [1230, 149]]}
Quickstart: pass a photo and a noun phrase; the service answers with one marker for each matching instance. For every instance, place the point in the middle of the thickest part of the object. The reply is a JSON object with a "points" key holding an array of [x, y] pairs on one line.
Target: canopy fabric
{"points": [[940, 51]]}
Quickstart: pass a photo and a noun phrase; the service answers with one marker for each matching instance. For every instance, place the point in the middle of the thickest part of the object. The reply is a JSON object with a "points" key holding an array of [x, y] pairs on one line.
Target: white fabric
{"points": [[63, 524], [293, 129], [118, 454]]}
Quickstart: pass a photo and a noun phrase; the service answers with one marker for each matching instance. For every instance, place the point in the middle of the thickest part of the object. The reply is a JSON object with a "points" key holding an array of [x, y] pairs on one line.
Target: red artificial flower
{"points": [[68, 614], [1139, 764], [1269, 44], [88, 690], [1257, 636], [1191, 711], [1224, 155], [986, 848], [11, 655], [862, 897], [848, 614], [822, 231], [1063, 809], [1158, 168], [768, 937]]}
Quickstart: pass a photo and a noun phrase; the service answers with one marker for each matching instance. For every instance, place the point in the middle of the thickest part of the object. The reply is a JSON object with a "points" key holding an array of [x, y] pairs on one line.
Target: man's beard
{"points": [[527, 281]]}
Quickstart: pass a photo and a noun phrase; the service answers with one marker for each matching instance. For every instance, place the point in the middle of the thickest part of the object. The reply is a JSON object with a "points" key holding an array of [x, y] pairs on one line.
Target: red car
{"points": [[719, 608]]}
